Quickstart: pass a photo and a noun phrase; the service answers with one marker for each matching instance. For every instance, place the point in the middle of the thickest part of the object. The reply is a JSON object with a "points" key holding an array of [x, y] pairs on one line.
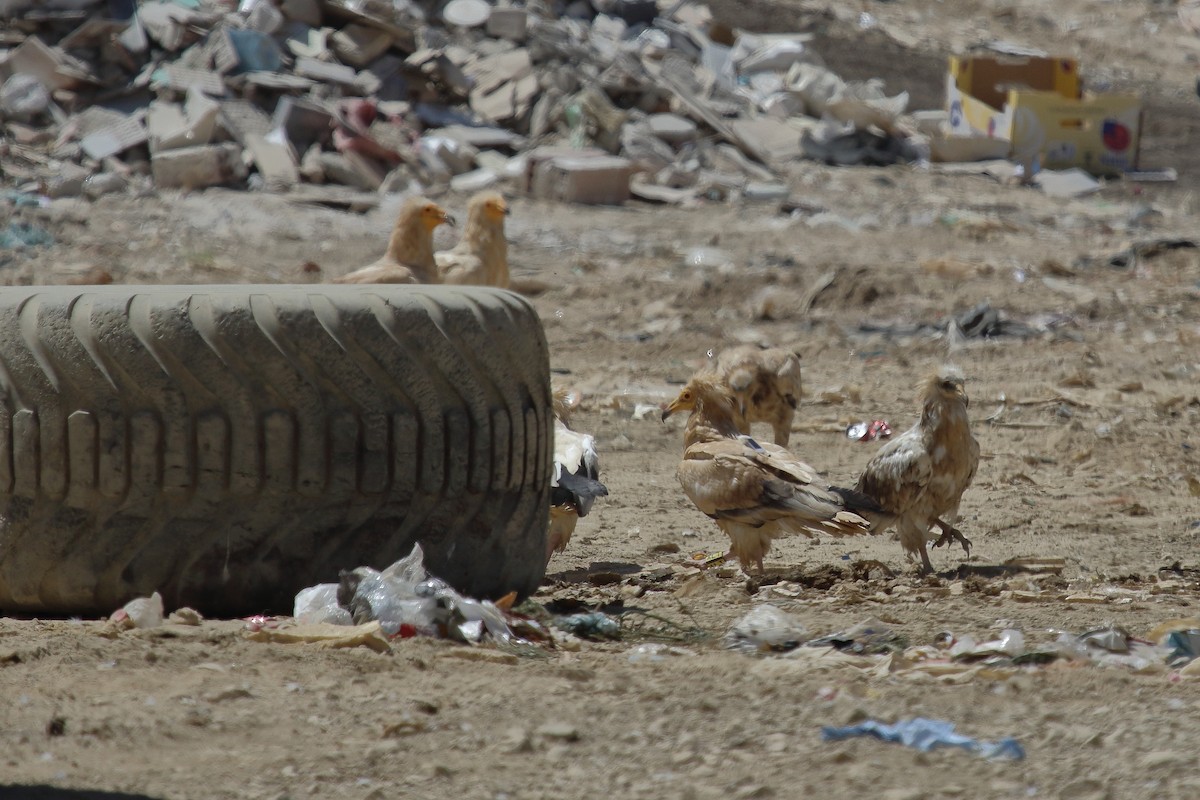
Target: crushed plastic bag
{"points": [[766, 628], [319, 604], [408, 601], [1011, 644], [869, 636], [590, 625], [142, 612], [924, 735]]}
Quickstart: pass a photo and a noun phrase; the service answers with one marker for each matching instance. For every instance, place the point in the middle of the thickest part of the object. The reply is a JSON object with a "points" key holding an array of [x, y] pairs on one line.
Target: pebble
{"points": [[562, 731], [776, 742], [517, 740]]}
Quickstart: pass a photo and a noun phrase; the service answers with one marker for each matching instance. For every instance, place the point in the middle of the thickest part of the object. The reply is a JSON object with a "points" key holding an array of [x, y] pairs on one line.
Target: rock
{"points": [[561, 731], [186, 616], [517, 740]]}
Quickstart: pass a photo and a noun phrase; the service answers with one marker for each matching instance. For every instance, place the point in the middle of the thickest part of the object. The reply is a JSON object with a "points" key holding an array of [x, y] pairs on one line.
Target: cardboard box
{"points": [[584, 176], [1038, 105]]}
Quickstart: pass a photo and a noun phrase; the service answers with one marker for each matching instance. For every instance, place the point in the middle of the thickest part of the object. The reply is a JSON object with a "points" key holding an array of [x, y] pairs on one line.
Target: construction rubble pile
{"points": [[335, 100]]}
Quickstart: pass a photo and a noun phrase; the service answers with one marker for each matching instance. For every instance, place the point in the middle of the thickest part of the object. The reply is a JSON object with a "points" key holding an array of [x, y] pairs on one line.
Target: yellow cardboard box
{"points": [[1039, 106]]}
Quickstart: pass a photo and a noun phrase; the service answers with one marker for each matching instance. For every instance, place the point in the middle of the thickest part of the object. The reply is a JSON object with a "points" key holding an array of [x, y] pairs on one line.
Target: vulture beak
{"points": [[961, 393], [669, 410], [448, 219]]}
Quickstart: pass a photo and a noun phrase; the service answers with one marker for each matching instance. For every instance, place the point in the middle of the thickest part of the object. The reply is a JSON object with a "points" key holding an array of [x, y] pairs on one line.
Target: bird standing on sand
{"points": [[754, 491], [767, 384], [481, 256], [409, 257], [918, 478]]}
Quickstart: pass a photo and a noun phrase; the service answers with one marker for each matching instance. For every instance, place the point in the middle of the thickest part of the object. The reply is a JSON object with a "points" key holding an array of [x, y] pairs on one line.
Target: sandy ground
{"points": [[1087, 457]]}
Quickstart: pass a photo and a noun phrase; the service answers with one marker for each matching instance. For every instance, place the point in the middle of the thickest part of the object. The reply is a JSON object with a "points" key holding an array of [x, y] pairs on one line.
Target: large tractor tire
{"points": [[230, 445]]}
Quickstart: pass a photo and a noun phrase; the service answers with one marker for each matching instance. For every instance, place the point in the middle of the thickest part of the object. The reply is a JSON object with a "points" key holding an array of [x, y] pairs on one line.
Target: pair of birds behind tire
{"points": [[480, 258]]}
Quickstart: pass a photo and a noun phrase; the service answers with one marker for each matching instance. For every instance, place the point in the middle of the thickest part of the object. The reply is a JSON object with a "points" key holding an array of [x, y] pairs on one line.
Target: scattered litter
{"points": [[1072, 182], [652, 652], [143, 612], [319, 604], [1139, 252], [590, 625], [327, 635], [869, 431], [1184, 645], [864, 638], [766, 628], [925, 735], [24, 234], [407, 601]]}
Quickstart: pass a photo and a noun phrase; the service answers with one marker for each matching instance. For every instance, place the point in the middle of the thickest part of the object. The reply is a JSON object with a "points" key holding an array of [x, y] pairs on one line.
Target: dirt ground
{"points": [[1090, 454]]}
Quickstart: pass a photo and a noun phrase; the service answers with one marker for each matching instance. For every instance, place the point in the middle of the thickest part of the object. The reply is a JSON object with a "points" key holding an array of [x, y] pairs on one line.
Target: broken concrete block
{"points": [[275, 161], [241, 119], [442, 67], [474, 181], [301, 40], [104, 183], [196, 167], [52, 68], [171, 127], [180, 78], [775, 139], [505, 85], [133, 38], [595, 180], [358, 45], [337, 168], [633, 12], [278, 81], [432, 169], [68, 181], [306, 11], [303, 122], [325, 72], [113, 138], [481, 137], [92, 33], [165, 23], [398, 180], [457, 156], [540, 155], [660, 194], [386, 78], [163, 120], [311, 168], [490, 72], [496, 162], [671, 128], [265, 18], [647, 151], [508, 23], [236, 51]]}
